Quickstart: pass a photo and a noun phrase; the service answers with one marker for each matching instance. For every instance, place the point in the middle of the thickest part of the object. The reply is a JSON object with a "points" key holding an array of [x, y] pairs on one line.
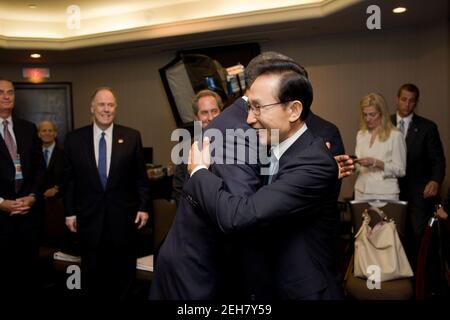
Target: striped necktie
{"points": [[9, 141]]}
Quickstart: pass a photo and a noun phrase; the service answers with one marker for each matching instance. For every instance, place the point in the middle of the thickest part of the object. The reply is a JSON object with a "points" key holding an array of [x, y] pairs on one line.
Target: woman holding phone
{"points": [[380, 151]]}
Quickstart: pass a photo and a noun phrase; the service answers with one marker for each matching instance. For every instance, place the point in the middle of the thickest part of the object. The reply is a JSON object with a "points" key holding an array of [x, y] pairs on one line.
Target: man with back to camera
{"points": [[106, 198], [21, 178], [206, 105], [425, 165], [297, 204]]}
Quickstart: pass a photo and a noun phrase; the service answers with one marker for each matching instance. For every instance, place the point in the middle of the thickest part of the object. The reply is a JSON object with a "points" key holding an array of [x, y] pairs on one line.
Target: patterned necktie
{"points": [[46, 157], [102, 160], [9, 141], [402, 126], [12, 148]]}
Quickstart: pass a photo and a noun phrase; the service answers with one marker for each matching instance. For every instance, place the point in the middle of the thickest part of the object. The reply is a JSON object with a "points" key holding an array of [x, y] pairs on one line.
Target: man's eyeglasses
{"points": [[257, 108]]}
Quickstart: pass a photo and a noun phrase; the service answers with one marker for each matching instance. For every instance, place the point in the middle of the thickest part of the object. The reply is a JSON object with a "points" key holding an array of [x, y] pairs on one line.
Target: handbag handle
{"points": [[366, 217], [378, 211]]}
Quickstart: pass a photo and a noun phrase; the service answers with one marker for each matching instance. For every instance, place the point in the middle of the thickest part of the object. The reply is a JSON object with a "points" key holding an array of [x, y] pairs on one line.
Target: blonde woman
{"points": [[380, 151]]}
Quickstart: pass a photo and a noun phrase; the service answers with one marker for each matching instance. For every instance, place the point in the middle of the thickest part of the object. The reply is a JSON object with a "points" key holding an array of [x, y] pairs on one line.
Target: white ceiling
{"points": [[51, 24], [315, 18]]}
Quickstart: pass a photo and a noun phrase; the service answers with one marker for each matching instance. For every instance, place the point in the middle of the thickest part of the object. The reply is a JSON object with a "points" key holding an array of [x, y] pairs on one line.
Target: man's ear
{"points": [[296, 108]]}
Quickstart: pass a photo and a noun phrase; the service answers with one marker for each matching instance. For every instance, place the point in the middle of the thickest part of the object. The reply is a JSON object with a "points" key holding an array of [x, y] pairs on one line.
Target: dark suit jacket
{"points": [[299, 208], [109, 212], [190, 264], [31, 159], [32, 162], [326, 130], [425, 158], [54, 174]]}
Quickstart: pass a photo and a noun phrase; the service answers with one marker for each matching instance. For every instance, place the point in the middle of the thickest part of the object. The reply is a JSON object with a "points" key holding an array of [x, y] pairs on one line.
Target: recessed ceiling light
{"points": [[399, 10], [32, 6], [35, 55]]}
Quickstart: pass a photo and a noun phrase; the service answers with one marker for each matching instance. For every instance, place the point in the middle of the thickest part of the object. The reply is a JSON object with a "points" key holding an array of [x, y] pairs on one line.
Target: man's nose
{"points": [[251, 119]]}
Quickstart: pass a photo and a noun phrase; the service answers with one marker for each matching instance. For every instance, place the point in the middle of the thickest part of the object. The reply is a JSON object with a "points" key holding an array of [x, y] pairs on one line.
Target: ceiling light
{"points": [[35, 55], [32, 6], [399, 10]]}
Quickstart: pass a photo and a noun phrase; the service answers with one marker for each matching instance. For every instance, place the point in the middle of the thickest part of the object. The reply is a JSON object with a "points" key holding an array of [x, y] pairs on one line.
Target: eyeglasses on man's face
{"points": [[256, 108]]}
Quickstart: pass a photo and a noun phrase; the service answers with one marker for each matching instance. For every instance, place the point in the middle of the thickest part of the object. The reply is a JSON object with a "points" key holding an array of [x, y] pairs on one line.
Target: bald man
{"points": [[106, 198], [53, 158]]}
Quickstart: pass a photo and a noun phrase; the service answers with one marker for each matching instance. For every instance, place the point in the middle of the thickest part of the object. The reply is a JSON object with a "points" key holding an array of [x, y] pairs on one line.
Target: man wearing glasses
{"points": [[296, 207]]}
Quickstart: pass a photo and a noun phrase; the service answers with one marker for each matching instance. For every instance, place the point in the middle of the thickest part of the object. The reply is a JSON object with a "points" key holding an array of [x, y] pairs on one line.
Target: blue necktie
{"points": [[402, 126], [46, 157], [102, 160]]}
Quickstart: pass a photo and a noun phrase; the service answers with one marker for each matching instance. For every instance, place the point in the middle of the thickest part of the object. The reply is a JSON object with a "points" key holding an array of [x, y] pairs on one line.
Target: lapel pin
{"points": [[120, 141]]}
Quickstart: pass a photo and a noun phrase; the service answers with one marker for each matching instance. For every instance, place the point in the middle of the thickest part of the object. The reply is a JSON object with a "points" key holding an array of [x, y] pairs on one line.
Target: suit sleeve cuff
{"points": [[71, 217], [198, 168]]}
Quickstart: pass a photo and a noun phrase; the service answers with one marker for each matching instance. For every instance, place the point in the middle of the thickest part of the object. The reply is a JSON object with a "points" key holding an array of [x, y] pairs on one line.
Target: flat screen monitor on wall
{"points": [[195, 70]]}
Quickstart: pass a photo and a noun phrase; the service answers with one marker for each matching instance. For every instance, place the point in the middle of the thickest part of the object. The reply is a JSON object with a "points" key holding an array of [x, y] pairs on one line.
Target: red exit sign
{"points": [[36, 73]]}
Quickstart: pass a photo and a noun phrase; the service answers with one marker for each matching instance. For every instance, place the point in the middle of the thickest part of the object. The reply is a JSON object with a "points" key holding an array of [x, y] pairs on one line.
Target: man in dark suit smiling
{"points": [[106, 197], [298, 202]]}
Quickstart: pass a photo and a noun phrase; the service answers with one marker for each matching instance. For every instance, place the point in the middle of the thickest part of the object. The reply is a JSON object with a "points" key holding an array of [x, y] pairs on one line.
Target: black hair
{"points": [[409, 87], [293, 83]]}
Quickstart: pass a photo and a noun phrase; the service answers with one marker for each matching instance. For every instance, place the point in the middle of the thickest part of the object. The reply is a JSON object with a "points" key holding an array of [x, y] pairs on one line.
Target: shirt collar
{"points": [[50, 147], [9, 119], [98, 131], [406, 119], [281, 148]]}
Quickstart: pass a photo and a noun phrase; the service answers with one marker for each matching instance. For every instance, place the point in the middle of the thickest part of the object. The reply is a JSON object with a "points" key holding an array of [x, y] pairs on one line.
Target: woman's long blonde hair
{"points": [[376, 100]]}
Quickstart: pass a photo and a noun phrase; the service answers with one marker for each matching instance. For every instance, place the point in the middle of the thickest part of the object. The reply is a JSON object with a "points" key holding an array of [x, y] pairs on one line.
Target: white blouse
{"points": [[392, 152]]}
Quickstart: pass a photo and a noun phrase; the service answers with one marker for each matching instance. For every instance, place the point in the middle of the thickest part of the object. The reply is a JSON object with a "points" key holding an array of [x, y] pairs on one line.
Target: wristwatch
{"points": [[1, 200]]}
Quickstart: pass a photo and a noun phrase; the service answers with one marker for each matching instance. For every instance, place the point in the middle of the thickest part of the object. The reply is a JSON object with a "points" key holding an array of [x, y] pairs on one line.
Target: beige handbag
{"points": [[380, 246]]}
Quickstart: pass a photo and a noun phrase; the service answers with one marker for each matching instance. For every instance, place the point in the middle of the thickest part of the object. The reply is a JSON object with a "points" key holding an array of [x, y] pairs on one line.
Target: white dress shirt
{"points": [[279, 149], [50, 149], [406, 120], [108, 138]]}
